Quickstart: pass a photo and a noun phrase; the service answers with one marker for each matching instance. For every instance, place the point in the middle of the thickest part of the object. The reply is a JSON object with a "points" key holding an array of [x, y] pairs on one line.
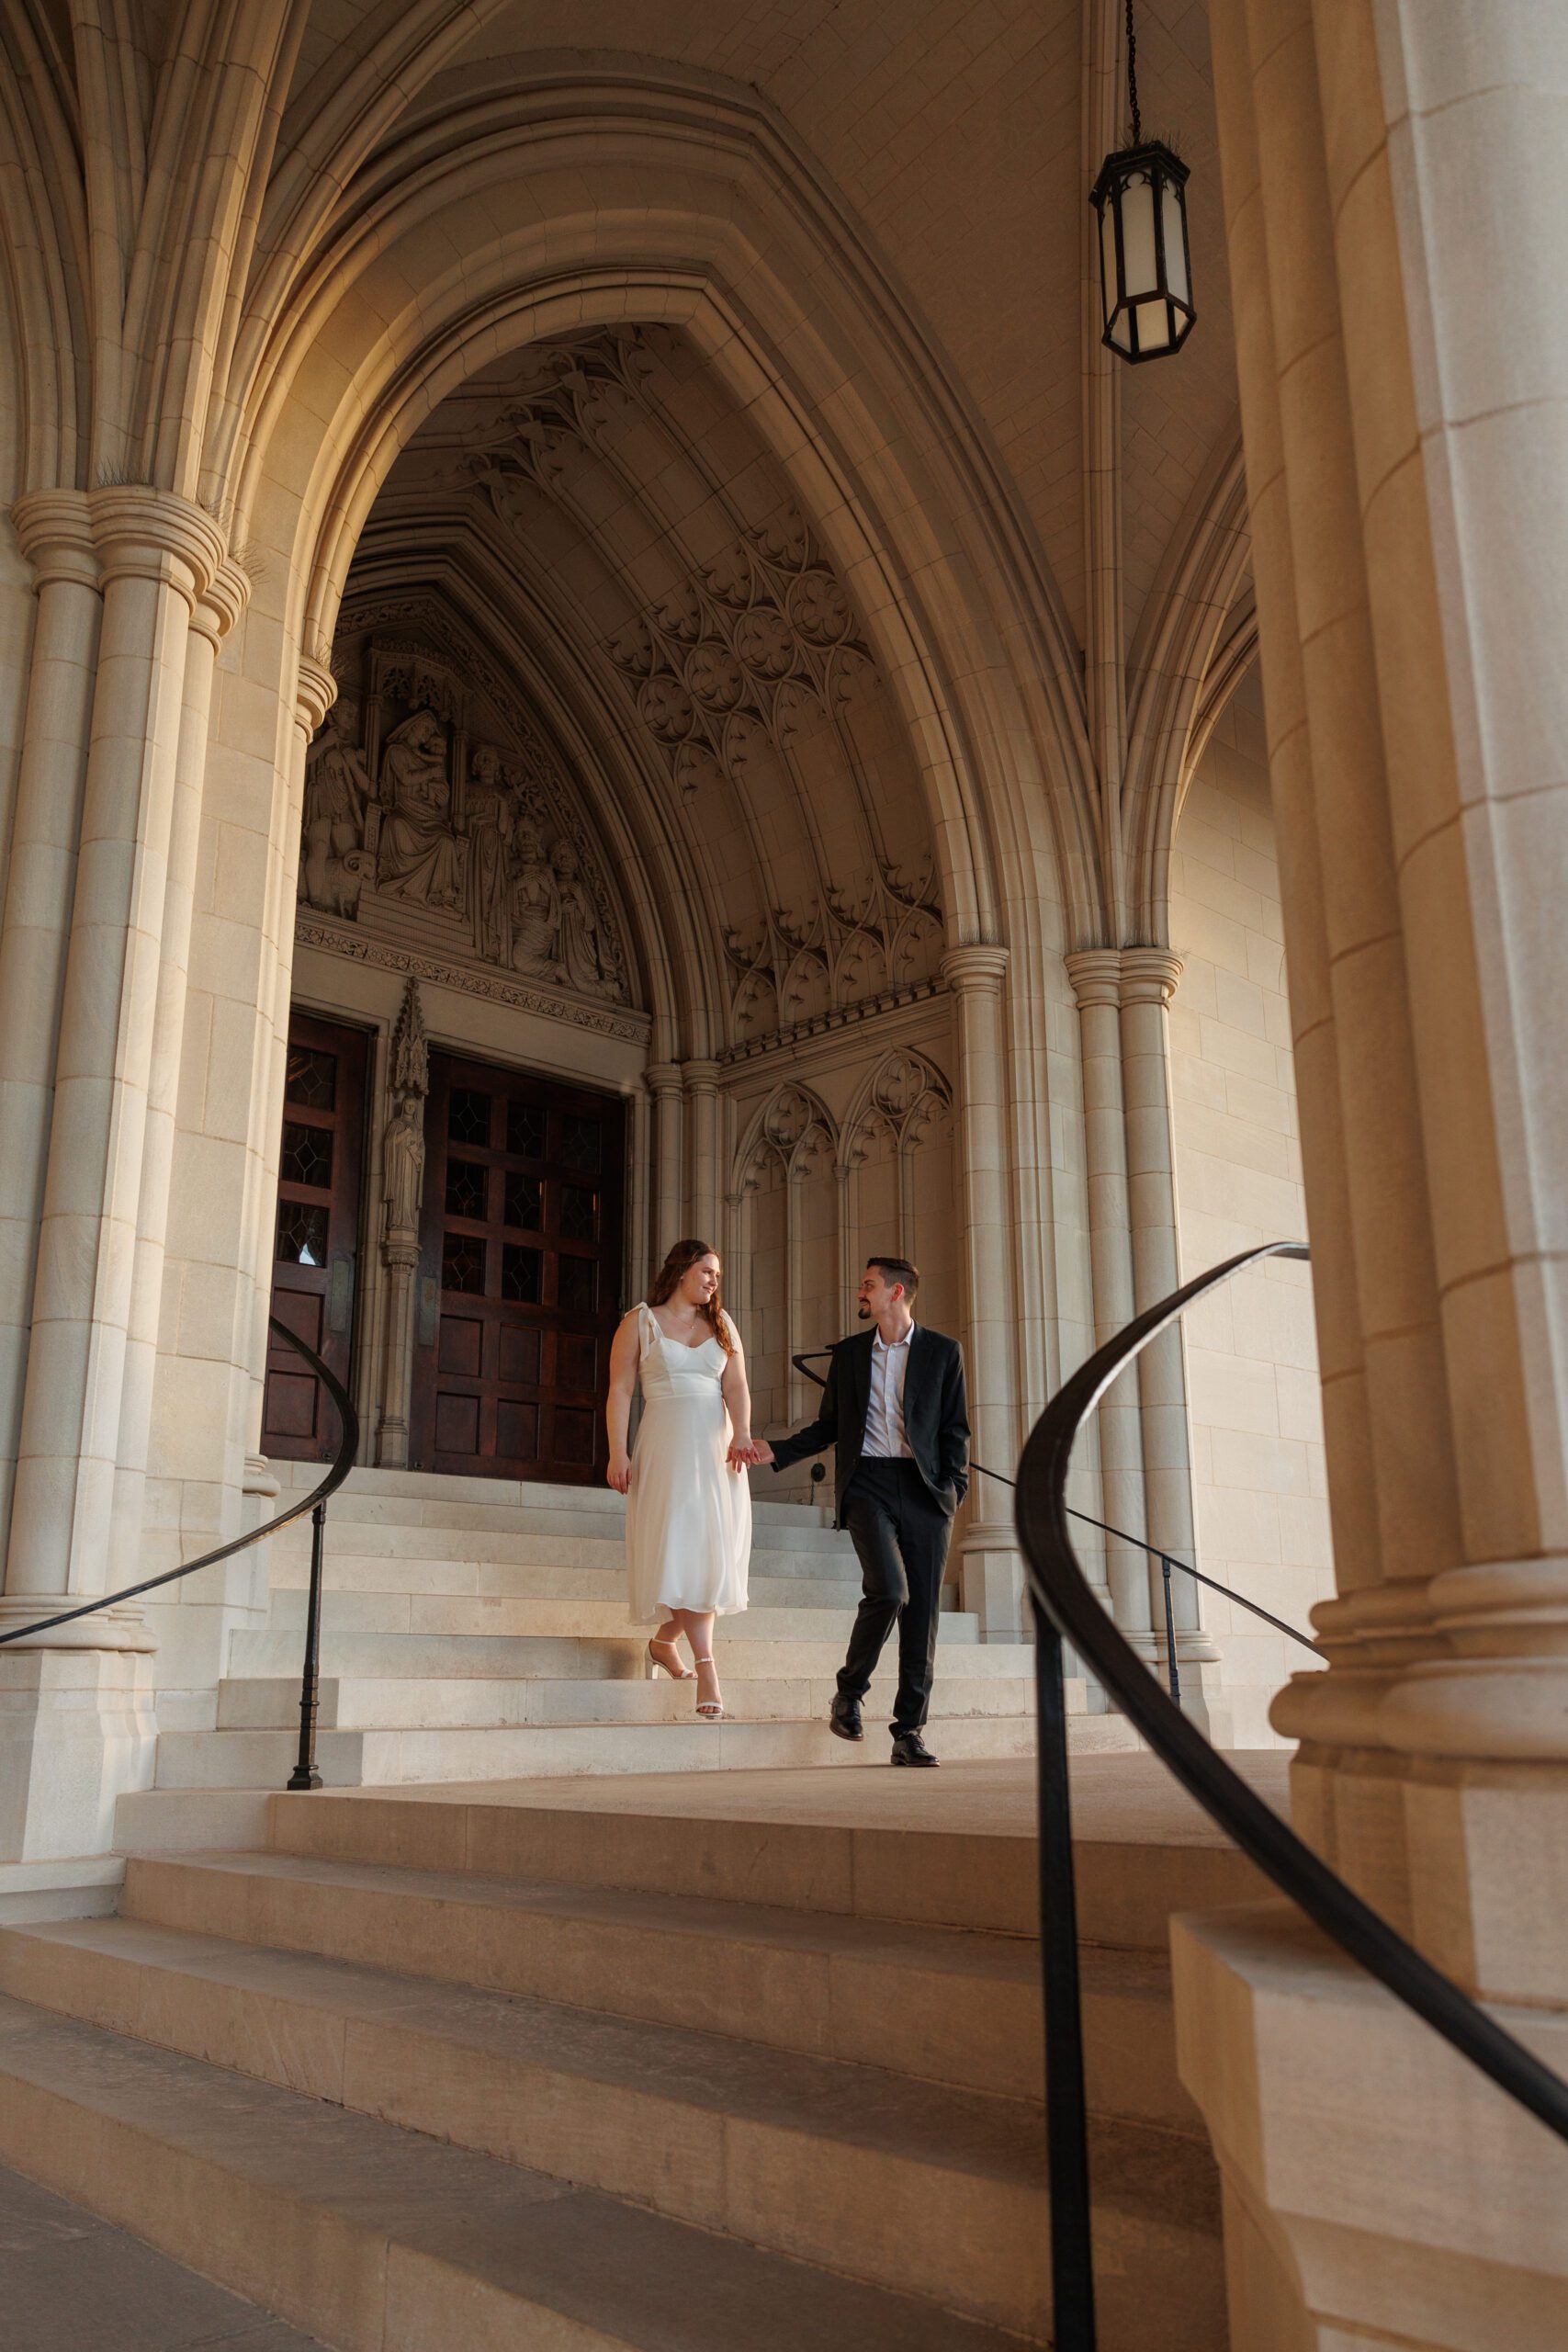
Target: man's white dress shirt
{"points": [[885, 1439]]}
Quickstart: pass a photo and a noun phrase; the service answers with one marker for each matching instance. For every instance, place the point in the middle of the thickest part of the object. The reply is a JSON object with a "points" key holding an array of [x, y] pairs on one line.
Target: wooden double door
{"points": [[519, 1277], [518, 1286], [316, 1246]]}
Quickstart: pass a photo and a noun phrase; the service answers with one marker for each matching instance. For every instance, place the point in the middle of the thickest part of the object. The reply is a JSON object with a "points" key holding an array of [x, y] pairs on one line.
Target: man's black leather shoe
{"points": [[909, 1747], [843, 1717]]}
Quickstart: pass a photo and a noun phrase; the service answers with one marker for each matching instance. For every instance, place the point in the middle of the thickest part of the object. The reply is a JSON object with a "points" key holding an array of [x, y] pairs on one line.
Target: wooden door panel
{"points": [[316, 1239], [521, 1270]]}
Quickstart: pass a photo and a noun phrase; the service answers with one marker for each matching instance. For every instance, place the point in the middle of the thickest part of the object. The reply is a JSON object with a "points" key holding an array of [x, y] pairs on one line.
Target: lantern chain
{"points": [[1133, 79]]}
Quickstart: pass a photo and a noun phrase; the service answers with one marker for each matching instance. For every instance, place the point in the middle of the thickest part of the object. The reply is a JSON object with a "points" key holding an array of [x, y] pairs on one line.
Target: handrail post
{"points": [[305, 1775], [1172, 1671], [1066, 2107]]}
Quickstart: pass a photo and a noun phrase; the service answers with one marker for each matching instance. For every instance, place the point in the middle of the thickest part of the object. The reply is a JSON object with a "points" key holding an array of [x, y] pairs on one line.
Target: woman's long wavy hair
{"points": [[682, 1259]]}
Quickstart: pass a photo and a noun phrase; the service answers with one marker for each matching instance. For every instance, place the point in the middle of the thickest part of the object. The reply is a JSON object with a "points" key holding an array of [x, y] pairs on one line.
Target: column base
{"points": [[991, 1583], [77, 1728], [1378, 2189], [124, 1628]]}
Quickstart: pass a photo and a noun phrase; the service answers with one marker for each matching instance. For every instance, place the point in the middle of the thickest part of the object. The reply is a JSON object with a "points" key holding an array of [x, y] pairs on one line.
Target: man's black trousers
{"points": [[901, 1534]]}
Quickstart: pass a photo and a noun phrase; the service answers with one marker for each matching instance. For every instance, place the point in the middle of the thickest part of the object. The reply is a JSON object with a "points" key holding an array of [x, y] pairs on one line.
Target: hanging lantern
{"points": [[1146, 279]]}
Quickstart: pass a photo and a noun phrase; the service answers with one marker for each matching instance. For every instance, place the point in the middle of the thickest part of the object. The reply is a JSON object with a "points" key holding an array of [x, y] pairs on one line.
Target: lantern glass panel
{"points": [[1173, 221], [1154, 326], [1108, 270], [1139, 262]]}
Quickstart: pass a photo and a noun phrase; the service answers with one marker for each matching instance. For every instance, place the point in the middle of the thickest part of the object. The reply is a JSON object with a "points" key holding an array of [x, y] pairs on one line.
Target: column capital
{"points": [[1149, 975], [702, 1076], [315, 691], [1096, 976], [146, 534], [54, 530], [662, 1077], [221, 603], [978, 967]]}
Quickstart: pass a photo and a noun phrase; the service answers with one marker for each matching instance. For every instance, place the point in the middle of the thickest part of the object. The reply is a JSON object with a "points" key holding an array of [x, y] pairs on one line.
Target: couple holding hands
{"points": [[893, 1409]]}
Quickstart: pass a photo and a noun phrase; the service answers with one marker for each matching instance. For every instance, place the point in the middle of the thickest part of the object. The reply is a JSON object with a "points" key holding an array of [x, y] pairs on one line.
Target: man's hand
{"points": [[761, 1453]]}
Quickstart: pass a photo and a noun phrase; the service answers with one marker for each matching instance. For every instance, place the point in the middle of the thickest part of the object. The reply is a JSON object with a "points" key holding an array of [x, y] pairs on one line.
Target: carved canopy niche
{"points": [[438, 815]]}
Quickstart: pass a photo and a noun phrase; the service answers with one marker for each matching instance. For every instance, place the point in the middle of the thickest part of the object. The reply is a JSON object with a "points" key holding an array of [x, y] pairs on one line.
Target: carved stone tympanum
{"points": [[421, 835]]}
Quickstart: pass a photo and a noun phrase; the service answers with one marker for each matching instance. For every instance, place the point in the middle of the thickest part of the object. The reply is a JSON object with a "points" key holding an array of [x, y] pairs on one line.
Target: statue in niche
{"points": [[581, 955], [490, 832], [402, 1161], [419, 853], [337, 791], [536, 906]]}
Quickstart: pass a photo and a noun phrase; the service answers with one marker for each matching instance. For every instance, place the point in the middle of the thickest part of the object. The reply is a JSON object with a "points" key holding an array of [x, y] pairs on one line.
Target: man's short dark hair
{"points": [[898, 1269]]}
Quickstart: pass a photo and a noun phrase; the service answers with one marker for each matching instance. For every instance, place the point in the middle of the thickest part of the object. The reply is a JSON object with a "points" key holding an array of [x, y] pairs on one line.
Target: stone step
{"points": [[372, 2237], [939, 2004], [900, 1847], [417, 1612], [902, 2183], [549, 1580], [400, 1526], [371, 1759], [364, 1489], [453, 1656], [394, 1702]]}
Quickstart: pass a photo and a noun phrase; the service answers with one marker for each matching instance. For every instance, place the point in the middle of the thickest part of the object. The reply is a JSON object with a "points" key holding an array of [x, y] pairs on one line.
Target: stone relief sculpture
{"points": [[584, 964], [337, 792], [490, 829], [536, 906], [419, 853], [487, 837]]}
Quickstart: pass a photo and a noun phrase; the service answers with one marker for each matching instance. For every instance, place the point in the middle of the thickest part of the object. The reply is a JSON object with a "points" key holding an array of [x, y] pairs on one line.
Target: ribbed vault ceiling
{"points": [[650, 548]]}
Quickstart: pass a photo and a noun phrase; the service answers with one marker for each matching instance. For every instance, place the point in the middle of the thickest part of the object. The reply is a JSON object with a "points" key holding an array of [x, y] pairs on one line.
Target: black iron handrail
{"points": [[305, 1775], [1066, 1609], [1167, 1561]]}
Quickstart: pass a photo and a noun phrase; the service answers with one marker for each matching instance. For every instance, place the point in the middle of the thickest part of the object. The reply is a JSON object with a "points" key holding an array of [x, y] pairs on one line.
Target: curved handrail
{"points": [[1067, 1609], [342, 1463], [1167, 1560]]}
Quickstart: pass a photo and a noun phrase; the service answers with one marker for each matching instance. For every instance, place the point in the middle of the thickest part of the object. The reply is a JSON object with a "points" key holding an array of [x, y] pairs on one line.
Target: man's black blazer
{"points": [[936, 1416]]}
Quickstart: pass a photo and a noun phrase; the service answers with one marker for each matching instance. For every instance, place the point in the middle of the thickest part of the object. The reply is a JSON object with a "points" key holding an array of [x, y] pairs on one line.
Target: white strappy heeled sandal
{"points": [[656, 1666], [710, 1710]]}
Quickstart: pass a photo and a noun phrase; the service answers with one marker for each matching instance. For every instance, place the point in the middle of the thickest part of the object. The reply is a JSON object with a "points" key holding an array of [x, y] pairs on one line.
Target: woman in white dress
{"points": [[688, 1503]]}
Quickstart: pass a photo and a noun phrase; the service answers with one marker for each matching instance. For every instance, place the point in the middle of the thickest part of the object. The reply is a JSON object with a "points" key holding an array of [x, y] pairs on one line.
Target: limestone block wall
{"points": [[837, 1147], [1258, 1449]]}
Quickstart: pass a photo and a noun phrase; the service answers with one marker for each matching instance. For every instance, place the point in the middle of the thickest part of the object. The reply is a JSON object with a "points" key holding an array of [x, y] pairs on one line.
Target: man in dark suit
{"points": [[894, 1409]]}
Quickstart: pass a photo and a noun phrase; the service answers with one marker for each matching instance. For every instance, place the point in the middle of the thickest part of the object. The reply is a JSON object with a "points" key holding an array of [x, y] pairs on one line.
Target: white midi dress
{"points": [[688, 1514]]}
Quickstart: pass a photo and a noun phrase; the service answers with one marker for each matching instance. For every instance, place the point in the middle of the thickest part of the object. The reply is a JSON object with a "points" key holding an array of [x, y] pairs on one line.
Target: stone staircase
{"points": [[752, 2059], [476, 1629]]}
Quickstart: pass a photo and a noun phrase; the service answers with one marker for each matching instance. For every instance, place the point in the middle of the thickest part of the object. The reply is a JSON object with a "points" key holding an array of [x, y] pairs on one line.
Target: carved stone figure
{"points": [[419, 853], [403, 1160], [581, 952], [489, 855], [536, 906], [337, 789]]}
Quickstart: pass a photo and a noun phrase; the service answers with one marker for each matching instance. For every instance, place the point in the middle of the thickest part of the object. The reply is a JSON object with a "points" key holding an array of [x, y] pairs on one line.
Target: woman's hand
{"points": [[742, 1454], [619, 1473]]}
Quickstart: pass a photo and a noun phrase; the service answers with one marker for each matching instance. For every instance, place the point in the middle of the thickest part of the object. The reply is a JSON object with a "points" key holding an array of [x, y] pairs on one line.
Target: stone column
{"points": [[990, 1566], [158, 555], [703, 1171], [54, 530], [666, 1222], [216, 613], [1149, 976], [1402, 384], [1096, 976]]}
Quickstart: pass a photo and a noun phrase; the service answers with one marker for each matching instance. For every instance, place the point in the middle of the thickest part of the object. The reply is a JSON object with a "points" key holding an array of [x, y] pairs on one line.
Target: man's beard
{"points": [[865, 1313]]}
